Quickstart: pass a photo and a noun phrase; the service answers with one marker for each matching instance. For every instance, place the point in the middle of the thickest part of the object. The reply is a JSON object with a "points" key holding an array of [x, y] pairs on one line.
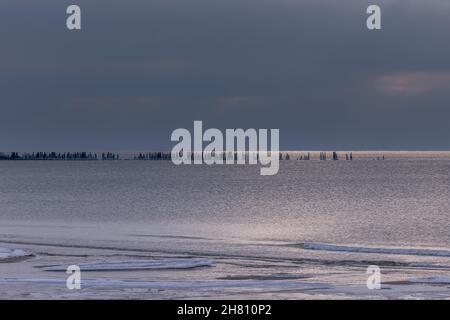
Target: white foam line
{"points": [[402, 251], [436, 280], [153, 264]]}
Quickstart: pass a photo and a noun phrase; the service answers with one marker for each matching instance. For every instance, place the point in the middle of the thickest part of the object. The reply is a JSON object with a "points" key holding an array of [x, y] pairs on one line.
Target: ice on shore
{"points": [[6, 254], [157, 264], [175, 284]]}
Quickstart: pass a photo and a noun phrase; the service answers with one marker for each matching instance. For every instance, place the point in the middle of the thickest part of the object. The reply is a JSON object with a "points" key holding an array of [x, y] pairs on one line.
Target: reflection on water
{"points": [[402, 201]]}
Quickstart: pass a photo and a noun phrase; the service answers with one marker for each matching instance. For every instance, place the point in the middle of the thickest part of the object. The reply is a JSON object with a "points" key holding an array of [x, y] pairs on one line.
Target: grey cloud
{"points": [[140, 69]]}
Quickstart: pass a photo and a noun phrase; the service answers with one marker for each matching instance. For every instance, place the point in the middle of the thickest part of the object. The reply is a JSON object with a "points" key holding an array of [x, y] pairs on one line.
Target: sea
{"points": [[147, 229]]}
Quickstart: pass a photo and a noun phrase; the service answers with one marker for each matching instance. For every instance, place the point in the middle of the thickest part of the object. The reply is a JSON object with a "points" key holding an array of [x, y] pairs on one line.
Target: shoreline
{"points": [[162, 267]]}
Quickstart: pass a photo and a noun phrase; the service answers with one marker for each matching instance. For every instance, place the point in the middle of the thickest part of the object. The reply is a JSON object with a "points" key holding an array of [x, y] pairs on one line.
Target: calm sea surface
{"points": [[399, 201]]}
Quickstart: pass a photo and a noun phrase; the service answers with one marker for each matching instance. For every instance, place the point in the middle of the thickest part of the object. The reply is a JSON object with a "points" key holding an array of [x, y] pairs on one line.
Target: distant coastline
{"points": [[166, 155]]}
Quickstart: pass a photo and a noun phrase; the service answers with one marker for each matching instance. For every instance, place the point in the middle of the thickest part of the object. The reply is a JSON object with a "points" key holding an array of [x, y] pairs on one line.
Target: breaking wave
{"points": [[154, 264], [380, 250]]}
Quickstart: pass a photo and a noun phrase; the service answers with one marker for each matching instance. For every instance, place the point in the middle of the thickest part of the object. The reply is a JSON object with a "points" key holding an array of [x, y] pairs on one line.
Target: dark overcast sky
{"points": [[142, 68]]}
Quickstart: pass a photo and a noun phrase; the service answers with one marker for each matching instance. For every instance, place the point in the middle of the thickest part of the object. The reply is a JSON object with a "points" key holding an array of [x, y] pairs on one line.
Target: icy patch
{"points": [[401, 251], [6, 254], [155, 264]]}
